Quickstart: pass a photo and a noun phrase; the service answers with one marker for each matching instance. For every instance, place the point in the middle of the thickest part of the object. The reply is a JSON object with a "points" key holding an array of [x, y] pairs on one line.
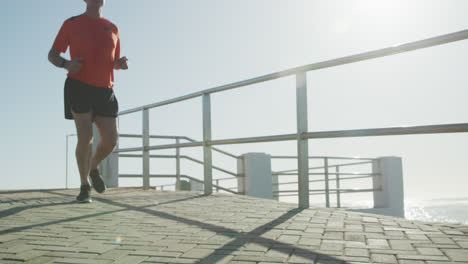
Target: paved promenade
{"points": [[135, 226]]}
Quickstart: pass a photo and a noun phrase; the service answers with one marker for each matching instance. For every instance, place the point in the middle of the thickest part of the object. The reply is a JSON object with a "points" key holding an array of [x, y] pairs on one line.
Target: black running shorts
{"points": [[84, 98]]}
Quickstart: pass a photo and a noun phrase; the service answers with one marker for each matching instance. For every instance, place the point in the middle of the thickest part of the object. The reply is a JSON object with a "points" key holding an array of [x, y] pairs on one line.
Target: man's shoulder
{"points": [[73, 18], [110, 23]]}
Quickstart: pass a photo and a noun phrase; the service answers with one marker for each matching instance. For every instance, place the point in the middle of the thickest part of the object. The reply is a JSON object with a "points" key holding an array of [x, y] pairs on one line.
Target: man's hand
{"points": [[121, 63], [74, 65]]}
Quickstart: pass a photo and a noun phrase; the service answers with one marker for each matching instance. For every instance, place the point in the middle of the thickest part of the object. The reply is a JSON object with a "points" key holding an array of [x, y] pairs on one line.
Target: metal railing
{"points": [[178, 158], [302, 134], [326, 171]]}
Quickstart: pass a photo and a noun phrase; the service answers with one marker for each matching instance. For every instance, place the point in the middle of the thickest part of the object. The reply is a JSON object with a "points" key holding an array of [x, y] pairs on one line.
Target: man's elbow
{"points": [[52, 54]]}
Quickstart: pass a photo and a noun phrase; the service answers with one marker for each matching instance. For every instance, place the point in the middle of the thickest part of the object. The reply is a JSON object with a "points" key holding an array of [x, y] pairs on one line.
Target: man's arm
{"points": [[72, 66], [56, 59]]}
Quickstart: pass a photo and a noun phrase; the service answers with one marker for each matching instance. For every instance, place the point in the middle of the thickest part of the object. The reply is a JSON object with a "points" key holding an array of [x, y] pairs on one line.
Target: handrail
{"points": [[425, 43], [390, 131], [177, 137], [150, 136]]}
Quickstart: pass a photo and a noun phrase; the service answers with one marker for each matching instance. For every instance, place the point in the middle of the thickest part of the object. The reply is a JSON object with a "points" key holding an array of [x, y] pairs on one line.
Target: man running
{"points": [[95, 52]]}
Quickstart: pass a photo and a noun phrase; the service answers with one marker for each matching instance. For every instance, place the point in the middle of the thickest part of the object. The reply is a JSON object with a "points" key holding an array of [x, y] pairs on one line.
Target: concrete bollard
{"points": [[257, 180], [196, 186], [391, 197]]}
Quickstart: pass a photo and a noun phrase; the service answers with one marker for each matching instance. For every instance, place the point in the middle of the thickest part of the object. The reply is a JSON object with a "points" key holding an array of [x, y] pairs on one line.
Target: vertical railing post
{"points": [[217, 184], [275, 186], [177, 166], [207, 158], [302, 144], [327, 187], [338, 195], [146, 158]]}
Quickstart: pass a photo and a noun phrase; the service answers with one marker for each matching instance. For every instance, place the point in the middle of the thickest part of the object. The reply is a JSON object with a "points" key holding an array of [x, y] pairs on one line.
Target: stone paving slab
{"points": [[130, 225]]}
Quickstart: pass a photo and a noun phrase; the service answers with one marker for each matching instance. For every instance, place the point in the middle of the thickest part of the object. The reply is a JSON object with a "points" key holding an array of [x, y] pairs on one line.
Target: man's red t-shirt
{"points": [[97, 42]]}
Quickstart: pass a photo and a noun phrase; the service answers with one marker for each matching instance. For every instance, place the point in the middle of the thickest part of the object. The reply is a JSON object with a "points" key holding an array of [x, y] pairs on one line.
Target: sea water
{"points": [[454, 210]]}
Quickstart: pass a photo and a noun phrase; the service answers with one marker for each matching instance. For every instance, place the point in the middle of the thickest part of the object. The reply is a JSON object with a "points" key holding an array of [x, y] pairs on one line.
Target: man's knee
{"points": [[110, 142], [85, 139]]}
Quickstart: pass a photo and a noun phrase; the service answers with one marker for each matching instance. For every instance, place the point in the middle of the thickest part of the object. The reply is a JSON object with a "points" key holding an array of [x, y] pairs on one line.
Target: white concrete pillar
{"points": [[196, 186], [257, 180], [390, 200]]}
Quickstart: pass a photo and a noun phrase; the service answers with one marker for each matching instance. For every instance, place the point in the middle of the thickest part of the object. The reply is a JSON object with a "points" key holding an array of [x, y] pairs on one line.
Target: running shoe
{"points": [[96, 179], [84, 196]]}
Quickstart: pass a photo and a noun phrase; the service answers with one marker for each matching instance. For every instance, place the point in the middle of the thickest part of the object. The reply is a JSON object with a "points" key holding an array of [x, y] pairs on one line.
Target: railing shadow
{"points": [[241, 238], [26, 191], [19, 209]]}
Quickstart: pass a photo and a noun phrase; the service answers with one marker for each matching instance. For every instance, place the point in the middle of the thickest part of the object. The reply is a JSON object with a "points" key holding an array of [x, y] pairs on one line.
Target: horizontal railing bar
{"points": [[230, 178], [174, 176], [323, 157], [330, 173], [254, 139], [425, 43], [166, 176], [130, 156], [177, 137], [346, 173], [321, 167], [310, 194], [216, 149], [391, 131], [180, 145], [128, 149], [322, 180], [331, 191], [214, 185], [166, 102], [151, 156], [169, 146], [151, 136], [281, 172], [214, 167], [151, 176], [163, 156], [448, 128], [351, 164]]}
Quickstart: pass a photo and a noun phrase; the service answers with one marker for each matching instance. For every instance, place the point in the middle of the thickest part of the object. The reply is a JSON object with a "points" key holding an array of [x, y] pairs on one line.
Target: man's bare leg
{"points": [[107, 127], [84, 129]]}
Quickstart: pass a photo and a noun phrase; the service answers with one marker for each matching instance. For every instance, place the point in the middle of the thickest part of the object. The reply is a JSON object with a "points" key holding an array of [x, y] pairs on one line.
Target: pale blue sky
{"points": [[176, 47]]}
